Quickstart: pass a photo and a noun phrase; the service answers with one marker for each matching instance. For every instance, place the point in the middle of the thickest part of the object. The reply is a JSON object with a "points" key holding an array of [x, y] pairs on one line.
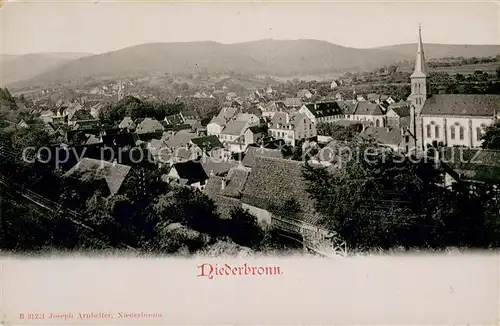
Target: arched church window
{"points": [[452, 132], [479, 133], [462, 130], [377, 123], [429, 131], [436, 131]]}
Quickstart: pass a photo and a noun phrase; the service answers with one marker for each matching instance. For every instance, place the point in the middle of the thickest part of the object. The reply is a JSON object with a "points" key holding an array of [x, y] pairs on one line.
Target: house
{"points": [[269, 89], [270, 108], [304, 94], [339, 96], [348, 108], [175, 119], [387, 98], [159, 150], [188, 173], [371, 112], [181, 138], [92, 139], [293, 102], [322, 112], [292, 127], [81, 117], [334, 84], [232, 136], [226, 191], [329, 154], [120, 140], [213, 166], [112, 175], [252, 152], [398, 116], [47, 116], [249, 118], [458, 119], [148, 126], [27, 123], [96, 109], [254, 134], [210, 146], [393, 138], [276, 192], [127, 123], [231, 96], [219, 122]]}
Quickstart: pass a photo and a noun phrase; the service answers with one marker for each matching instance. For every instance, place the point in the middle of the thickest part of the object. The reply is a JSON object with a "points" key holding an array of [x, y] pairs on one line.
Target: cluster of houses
{"points": [[237, 159]]}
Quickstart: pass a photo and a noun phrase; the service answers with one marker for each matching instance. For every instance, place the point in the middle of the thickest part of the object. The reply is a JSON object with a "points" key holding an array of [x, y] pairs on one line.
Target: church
{"points": [[450, 119]]}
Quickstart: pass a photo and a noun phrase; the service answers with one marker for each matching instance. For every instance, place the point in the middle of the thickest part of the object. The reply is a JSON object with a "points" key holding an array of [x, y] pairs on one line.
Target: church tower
{"points": [[419, 92]]}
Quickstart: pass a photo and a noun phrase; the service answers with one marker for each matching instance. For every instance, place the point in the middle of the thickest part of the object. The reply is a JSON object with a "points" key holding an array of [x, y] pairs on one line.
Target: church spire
{"points": [[420, 64]]}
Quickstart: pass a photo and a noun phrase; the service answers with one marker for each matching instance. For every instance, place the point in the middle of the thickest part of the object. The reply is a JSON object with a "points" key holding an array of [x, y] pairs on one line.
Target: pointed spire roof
{"points": [[420, 64]]}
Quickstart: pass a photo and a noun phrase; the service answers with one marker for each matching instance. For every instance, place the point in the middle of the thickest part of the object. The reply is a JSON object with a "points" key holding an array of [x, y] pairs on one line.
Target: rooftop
{"points": [[235, 128], [92, 169], [367, 108], [191, 171], [207, 143], [278, 186], [480, 105], [384, 135], [253, 152], [324, 109]]}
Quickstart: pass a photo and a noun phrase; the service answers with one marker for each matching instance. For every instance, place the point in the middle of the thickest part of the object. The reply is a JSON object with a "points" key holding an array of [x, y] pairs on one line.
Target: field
{"points": [[464, 70]]}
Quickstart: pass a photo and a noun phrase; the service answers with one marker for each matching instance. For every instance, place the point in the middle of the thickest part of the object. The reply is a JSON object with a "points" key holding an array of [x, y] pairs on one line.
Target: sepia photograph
{"points": [[186, 129], [249, 162]]}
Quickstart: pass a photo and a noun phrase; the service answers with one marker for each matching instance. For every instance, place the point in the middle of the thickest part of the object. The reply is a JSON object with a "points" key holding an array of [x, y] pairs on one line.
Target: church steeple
{"points": [[420, 64], [419, 92]]}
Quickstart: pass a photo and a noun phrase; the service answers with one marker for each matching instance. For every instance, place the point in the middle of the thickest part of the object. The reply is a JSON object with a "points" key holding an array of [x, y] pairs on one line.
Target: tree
{"points": [[380, 199], [243, 229], [491, 137], [337, 132]]}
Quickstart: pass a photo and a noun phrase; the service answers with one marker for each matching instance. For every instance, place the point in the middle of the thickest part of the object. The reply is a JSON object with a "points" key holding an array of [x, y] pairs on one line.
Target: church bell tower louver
{"points": [[419, 92]]}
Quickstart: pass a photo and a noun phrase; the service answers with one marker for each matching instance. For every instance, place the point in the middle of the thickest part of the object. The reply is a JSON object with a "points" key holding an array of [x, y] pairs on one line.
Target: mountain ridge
{"points": [[268, 56]]}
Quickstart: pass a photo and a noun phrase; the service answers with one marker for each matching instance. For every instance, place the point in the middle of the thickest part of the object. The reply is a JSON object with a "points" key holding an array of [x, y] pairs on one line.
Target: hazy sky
{"points": [[84, 26]]}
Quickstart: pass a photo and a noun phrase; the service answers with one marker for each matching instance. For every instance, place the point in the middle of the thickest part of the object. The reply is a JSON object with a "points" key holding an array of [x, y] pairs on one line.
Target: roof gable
{"points": [[149, 125], [191, 171]]}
